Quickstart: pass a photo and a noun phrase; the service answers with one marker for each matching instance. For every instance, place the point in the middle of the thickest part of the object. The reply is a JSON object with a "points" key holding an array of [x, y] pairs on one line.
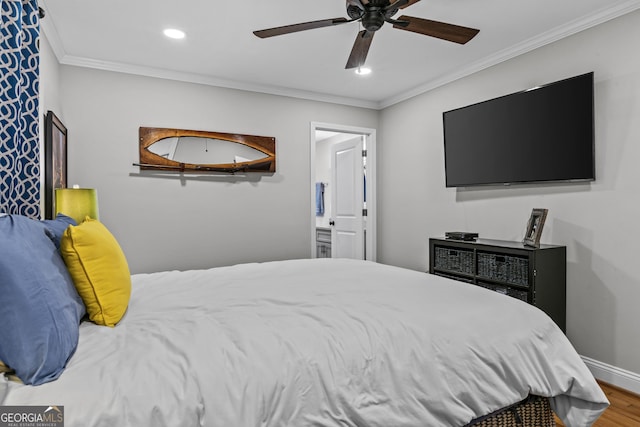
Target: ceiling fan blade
{"points": [[360, 49], [440, 30], [400, 4], [409, 3], [277, 31]]}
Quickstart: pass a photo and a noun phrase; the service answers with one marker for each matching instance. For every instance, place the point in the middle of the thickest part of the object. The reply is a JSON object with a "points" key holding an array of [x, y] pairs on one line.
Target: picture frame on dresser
{"points": [[534, 227], [55, 160]]}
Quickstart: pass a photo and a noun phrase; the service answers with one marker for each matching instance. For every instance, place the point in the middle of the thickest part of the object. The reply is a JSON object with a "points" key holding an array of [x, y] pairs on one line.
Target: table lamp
{"points": [[77, 203]]}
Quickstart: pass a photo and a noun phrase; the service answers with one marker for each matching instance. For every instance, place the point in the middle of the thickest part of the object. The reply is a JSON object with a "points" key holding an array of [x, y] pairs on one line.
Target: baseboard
{"points": [[613, 375]]}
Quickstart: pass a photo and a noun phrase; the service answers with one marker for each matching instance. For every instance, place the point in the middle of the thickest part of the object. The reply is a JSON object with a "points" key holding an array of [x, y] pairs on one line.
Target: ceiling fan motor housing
{"points": [[373, 19], [372, 13]]}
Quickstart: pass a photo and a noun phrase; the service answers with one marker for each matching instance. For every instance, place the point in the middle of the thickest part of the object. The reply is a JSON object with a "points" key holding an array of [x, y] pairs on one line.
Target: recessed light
{"points": [[363, 71], [174, 33]]}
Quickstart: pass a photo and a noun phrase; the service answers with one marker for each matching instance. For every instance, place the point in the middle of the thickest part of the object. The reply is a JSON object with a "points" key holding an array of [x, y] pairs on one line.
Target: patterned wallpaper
{"points": [[19, 108]]}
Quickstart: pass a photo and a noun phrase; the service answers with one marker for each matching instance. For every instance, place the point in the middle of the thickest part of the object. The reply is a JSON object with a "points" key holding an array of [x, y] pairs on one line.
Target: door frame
{"points": [[370, 186]]}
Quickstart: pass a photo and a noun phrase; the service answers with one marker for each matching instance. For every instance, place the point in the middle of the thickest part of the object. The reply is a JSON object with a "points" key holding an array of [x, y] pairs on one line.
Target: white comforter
{"points": [[314, 343]]}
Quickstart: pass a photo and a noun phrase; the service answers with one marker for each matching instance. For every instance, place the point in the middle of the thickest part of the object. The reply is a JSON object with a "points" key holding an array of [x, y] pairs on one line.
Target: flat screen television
{"points": [[541, 134]]}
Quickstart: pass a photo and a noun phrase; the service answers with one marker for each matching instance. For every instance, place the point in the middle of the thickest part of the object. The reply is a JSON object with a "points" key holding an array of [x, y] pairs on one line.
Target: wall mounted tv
{"points": [[541, 134]]}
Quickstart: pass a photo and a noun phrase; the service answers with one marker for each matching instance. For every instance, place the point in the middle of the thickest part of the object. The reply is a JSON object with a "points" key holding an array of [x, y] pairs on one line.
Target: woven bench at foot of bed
{"points": [[534, 411]]}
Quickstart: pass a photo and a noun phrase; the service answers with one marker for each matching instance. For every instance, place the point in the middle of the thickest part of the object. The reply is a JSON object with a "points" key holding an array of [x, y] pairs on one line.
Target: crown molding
{"points": [[51, 32], [549, 37], [574, 27], [212, 81]]}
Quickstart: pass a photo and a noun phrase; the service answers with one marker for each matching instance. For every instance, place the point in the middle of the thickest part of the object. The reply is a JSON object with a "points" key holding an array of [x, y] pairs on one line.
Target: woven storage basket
{"points": [[511, 269], [534, 411], [458, 260]]}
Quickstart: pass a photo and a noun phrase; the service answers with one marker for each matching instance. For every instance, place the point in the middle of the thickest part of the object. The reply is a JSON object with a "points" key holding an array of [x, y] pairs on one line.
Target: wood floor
{"points": [[623, 412]]}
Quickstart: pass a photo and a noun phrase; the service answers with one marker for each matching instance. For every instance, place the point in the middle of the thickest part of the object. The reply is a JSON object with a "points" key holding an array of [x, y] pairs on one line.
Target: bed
{"points": [[322, 342]]}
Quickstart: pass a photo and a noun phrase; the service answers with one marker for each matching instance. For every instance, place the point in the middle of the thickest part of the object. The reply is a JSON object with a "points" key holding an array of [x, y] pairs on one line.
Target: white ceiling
{"points": [[220, 48]]}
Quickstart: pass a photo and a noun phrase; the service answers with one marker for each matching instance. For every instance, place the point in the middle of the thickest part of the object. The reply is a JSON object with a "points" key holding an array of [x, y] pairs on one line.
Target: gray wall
{"points": [[597, 221], [49, 100], [180, 222]]}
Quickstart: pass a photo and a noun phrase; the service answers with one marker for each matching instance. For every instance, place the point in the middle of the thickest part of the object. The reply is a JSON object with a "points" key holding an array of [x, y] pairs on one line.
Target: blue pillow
{"points": [[41, 309], [57, 226]]}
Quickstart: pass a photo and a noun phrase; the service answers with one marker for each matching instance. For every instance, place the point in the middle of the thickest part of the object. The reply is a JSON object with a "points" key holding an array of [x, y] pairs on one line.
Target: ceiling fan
{"points": [[373, 14]]}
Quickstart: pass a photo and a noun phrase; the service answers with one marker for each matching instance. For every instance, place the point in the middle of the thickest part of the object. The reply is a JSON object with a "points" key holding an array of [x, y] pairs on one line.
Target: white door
{"points": [[347, 200]]}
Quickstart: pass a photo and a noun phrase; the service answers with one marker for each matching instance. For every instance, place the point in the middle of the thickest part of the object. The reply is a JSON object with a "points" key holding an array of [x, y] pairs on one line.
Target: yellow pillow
{"points": [[4, 368], [99, 270], [9, 373]]}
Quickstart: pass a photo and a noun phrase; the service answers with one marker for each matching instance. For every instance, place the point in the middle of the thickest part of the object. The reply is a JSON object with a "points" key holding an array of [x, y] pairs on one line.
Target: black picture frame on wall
{"points": [[55, 160]]}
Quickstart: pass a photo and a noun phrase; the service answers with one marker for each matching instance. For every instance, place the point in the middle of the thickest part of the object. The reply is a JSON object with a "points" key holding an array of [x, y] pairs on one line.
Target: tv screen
{"points": [[541, 134]]}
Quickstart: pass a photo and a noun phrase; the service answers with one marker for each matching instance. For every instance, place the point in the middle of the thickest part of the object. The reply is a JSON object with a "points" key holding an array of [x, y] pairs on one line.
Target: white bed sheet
{"points": [[314, 343]]}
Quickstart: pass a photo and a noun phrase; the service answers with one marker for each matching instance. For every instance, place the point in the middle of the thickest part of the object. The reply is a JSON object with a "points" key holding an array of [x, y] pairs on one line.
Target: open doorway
{"points": [[343, 214]]}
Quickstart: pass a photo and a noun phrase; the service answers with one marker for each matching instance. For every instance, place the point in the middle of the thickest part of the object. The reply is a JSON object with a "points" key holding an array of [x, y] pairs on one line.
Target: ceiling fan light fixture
{"points": [[174, 33], [363, 71]]}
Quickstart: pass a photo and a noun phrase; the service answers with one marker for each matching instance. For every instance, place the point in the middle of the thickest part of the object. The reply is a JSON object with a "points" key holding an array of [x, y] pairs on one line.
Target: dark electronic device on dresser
{"points": [[541, 134], [461, 235]]}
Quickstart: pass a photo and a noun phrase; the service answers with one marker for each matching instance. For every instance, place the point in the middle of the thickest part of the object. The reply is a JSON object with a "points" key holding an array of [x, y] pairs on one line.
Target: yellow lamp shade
{"points": [[77, 203]]}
